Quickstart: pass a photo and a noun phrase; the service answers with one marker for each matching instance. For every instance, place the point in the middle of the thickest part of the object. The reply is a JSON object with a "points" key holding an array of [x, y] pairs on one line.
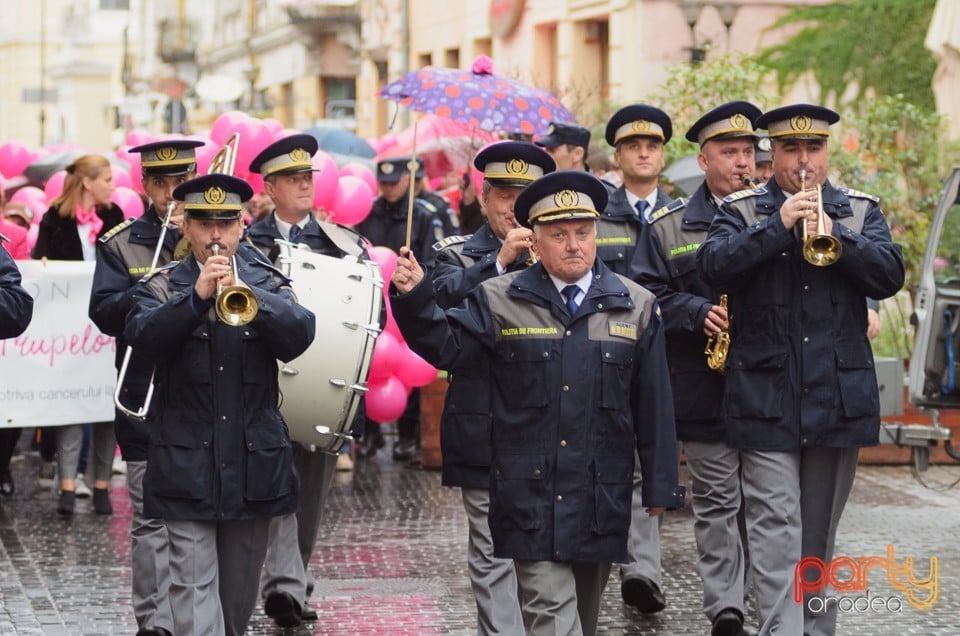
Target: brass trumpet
{"points": [[750, 182], [821, 249], [236, 305], [531, 256], [719, 345]]}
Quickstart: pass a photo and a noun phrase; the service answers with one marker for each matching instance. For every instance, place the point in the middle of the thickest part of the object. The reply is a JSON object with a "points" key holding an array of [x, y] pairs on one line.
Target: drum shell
{"points": [[322, 388]]}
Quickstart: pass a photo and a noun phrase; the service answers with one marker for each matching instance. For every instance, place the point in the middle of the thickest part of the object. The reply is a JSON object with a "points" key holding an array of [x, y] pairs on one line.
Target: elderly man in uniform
{"points": [[387, 226], [801, 392], [220, 462], [124, 256], [666, 264], [637, 133], [288, 180], [499, 247], [579, 386]]}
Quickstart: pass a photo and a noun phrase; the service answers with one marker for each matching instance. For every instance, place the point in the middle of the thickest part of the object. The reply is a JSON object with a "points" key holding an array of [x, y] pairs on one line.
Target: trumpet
{"points": [[820, 249], [236, 305], [141, 413], [531, 255], [719, 345], [750, 182]]}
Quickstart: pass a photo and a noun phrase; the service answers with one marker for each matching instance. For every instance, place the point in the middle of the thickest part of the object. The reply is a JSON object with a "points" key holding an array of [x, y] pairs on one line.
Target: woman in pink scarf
{"points": [[69, 231]]}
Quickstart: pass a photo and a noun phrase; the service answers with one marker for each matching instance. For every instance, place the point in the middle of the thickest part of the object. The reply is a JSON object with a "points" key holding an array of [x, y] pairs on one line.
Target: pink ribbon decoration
{"points": [[90, 216]]}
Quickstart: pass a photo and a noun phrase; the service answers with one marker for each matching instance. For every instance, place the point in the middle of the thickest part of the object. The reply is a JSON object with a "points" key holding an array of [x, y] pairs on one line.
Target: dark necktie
{"points": [[642, 206], [570, 293], [295, 232]]}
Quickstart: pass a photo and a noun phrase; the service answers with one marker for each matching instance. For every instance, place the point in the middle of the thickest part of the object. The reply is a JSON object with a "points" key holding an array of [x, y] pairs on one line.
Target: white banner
{"points": [[60, 370]]}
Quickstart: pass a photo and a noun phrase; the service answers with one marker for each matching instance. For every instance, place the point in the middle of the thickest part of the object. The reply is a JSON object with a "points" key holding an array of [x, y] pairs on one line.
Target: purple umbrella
{"points": [[478, 98]]}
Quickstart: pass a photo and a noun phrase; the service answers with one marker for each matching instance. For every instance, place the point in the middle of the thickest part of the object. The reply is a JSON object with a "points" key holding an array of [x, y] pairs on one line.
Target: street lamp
{"points": [[692, 9], [691, 13]]}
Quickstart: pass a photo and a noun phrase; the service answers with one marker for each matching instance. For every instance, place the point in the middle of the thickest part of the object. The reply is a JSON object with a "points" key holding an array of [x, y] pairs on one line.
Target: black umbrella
{"points": [[40, 171], [341, 142]]}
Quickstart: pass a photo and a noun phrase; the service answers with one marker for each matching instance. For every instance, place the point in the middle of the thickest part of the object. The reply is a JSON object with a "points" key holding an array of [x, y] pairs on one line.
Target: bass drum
{"points": [[321, 390]]}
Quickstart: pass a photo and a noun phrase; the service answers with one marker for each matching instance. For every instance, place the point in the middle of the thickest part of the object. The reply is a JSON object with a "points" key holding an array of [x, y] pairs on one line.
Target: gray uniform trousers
{"points": [[715, 475], [643, 542], [560, 597], [826, 477], [292, 537], [69, 442], [494, 581], [771, 492], [214, 571], [150, 569]]}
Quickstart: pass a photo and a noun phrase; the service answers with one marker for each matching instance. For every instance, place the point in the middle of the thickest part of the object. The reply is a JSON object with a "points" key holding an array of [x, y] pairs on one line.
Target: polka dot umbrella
{"points": [[478, 98]]}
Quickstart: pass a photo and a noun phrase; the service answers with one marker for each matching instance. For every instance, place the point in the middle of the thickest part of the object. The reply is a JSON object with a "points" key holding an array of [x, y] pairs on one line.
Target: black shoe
{"points": [[6, 484], [67, 502], [153, 631], [405, 450], [642, 593], [729, 622], [283, 609], [370, 444], [101, 501], [308, 615]]}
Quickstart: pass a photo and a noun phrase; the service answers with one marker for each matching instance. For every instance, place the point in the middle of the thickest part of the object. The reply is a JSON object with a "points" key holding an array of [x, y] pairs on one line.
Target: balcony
{"points": [[177, 42], [322, 15]]}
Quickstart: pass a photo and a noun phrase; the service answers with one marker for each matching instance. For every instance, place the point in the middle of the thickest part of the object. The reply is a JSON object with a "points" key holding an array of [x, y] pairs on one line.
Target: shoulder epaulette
{"points": [[426, 204], [673, 206], [116, 228], [743, 194], [159, 270], [456, 239], [856, 194]]}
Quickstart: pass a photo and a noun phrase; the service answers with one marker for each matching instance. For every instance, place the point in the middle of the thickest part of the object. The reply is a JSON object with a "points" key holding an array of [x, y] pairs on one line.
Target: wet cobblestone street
{"points": [[391, 559]]}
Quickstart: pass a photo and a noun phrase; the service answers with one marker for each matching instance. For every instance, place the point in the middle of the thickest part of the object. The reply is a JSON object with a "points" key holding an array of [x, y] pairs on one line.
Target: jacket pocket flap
{"points": [[747, 356], [853, 357], [520, 466], [616, 353], [613, 470]]}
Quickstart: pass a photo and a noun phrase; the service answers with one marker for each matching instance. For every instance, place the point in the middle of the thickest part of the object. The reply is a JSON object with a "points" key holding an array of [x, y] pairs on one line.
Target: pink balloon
{"points": [[14, 158], [225, 125], [386, 399], [34, 198], [205, 155], [137, 137], [352, 201], [385, 143], [324, 180], [129, 201], [121, 178], [386, 258], [54, 185], [286, 132], [359, 170], [255, 180], [391, 327], [254, 137], [133, 160], [273, 126], [414, 370], [387, 353]]}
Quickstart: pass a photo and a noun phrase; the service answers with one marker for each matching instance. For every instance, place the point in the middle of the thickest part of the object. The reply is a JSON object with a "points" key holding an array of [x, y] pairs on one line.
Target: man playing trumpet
{"points": [[220, 462], [801, 392]]}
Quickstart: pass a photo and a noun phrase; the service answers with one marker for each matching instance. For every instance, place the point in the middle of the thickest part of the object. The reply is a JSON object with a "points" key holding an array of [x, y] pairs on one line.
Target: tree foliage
{"points": [[875, 46]]}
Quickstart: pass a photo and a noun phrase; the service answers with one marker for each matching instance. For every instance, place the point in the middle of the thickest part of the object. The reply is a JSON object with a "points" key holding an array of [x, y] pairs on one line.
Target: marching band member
{"points": [[125, 256], [288, 180], [579, 386], [220, 462], [16, 305], [666, 264]]}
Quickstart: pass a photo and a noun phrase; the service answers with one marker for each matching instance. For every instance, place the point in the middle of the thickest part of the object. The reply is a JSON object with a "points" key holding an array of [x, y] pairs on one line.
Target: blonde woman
{"points": [[69, 231]]}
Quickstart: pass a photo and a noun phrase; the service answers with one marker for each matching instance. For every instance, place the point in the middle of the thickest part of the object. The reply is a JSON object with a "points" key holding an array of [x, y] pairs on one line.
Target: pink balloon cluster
{"points": [[345, 194], [394, 368]]}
